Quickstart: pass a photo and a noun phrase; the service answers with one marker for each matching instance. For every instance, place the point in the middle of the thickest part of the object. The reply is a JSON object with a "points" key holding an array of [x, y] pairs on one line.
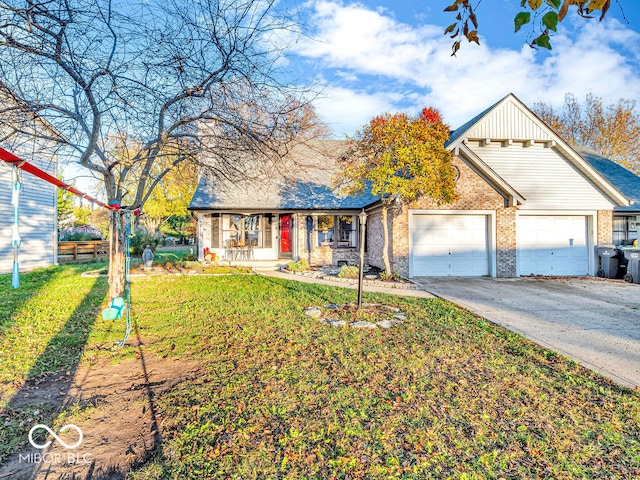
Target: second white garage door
{"points": [[553, 245], [443, 245]]}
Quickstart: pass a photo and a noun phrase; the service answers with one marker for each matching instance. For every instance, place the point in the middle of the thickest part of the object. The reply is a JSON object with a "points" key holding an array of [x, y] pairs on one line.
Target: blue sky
{"points": [[375, 56]]}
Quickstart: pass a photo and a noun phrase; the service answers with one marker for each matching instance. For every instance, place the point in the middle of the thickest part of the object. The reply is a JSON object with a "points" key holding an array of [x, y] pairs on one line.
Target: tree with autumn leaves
{"points": [[399, 158]]}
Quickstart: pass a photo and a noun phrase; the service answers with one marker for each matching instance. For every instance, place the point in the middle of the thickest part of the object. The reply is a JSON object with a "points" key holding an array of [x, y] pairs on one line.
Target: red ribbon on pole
{"points": [[32, 169]]}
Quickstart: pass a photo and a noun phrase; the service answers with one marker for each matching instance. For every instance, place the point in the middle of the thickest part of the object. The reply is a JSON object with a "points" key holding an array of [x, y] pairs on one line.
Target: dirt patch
{"points": [[114, 406]]}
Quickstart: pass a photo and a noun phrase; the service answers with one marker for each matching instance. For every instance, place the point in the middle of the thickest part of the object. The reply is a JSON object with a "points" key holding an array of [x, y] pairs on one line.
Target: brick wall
{"points": [[506, 242], [323, 255], [605, 227], [473, 194]]}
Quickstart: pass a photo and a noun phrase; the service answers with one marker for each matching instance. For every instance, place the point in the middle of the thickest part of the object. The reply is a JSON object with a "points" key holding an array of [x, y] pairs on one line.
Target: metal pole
{"points": [[363, 221]]}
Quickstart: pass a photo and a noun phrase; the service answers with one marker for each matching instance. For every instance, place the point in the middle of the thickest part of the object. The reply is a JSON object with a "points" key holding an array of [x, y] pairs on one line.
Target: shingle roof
{"points": [[621, 178], [310, 189], [458, 132]]}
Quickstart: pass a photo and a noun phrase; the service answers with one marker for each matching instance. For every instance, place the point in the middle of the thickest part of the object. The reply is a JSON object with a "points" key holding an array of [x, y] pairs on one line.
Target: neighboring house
{"points": [[528, 204], [38, 221], [626, 219]]}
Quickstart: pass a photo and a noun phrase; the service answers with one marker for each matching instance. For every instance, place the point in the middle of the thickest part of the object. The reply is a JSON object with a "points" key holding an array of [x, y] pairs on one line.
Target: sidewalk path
{"points": [[353, 285]]}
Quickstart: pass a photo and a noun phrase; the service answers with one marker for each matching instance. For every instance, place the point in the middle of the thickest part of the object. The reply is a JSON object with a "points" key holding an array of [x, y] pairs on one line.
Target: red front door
{"points": [[286, 234]]}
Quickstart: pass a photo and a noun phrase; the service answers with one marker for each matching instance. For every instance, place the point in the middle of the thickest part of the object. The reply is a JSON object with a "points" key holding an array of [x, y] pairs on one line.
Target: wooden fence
{"points": [[74, 251]]}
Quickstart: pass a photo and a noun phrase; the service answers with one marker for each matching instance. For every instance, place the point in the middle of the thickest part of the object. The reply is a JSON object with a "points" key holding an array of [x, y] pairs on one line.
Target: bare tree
{"points": [[174, 79], [612, 131]]}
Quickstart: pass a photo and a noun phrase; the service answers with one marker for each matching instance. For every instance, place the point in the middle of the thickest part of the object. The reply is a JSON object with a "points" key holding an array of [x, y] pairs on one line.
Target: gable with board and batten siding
{"points": [[529, 156]]}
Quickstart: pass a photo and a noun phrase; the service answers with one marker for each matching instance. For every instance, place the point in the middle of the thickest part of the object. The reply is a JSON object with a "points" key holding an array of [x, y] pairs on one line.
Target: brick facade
{"points": [[323, 255], [474, 193], [605, 227], [506, 254]]}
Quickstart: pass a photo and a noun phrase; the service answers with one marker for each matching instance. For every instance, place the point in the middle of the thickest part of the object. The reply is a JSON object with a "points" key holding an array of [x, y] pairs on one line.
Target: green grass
{"points": [[443, 395], [173, 254], [45, 324]]}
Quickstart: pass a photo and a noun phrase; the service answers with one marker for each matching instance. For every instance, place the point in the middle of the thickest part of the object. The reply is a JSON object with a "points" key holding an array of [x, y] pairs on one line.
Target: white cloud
{"points": [[346, 110], [378, 64], [601, 58]]}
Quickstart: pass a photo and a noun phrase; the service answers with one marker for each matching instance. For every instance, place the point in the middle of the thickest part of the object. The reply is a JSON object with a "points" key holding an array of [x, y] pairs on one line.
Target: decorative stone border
{"points": [[408, 284], [316, 312]]}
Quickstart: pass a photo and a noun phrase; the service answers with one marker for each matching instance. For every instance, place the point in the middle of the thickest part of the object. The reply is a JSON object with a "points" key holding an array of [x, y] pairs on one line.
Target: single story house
{"points": [[292, 216], [38, 217], [528, 204]]}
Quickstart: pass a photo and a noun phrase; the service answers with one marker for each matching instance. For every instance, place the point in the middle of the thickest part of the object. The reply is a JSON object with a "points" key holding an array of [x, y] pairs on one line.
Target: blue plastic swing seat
{"points": [[115, 310]]}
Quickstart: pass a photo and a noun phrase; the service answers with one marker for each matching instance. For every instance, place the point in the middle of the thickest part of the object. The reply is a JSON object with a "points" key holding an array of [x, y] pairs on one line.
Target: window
{"points": [[242, 229], [326, 230], [347, 231], [624, 228], [338, 231]]}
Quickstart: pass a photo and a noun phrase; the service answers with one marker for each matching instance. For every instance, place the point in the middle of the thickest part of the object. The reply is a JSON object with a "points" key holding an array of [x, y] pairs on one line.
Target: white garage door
{"points": [[443, 245], [552, 245]]}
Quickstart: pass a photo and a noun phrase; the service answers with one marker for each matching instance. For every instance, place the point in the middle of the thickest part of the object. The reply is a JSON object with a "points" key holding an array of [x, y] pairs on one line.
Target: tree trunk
{"points": [[116, 254], [385, 245]]}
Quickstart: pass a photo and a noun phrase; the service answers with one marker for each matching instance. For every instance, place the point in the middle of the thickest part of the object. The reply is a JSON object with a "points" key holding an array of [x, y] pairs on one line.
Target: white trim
{"points": [[591, 222], [491, 234], [54, 233]]}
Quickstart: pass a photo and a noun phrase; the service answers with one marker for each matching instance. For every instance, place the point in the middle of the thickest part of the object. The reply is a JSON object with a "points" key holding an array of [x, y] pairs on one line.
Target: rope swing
{"points": [[119, 306], [15, 236]]}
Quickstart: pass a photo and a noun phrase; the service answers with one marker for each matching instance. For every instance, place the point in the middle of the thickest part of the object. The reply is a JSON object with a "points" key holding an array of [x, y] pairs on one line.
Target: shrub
{"points": [[348, 271], [393, 277], [140, 240], [190, 257], [76, 237], [191, 264], [298, 266]]}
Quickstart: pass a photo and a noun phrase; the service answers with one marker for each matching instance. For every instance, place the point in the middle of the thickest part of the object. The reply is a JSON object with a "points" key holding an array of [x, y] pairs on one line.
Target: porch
{"points": [[271, 239]]}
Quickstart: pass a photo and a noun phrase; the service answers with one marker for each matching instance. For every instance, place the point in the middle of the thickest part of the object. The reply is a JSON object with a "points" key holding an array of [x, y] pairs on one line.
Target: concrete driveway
{"points": [[594, 321]]}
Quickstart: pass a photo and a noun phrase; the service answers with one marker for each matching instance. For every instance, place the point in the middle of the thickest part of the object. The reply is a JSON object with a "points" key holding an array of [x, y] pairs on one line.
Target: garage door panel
{"points": [[445, 245], [439, 266], [553, 245]]}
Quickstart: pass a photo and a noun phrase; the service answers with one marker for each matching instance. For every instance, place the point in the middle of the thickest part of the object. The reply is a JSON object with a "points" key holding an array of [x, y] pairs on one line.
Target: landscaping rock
{"points": [[337, 323], [385, 324], [363, 325], [400, 316], [390, 308], [313, 312]]}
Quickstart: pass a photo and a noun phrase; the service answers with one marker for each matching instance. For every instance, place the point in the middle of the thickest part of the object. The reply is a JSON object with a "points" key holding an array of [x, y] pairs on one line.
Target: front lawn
{"points": [[442, 395]]}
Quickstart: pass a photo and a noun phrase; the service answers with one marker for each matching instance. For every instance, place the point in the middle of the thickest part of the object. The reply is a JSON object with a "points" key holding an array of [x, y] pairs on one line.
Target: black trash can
{"points": [[632, 255], [609, 261]]}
